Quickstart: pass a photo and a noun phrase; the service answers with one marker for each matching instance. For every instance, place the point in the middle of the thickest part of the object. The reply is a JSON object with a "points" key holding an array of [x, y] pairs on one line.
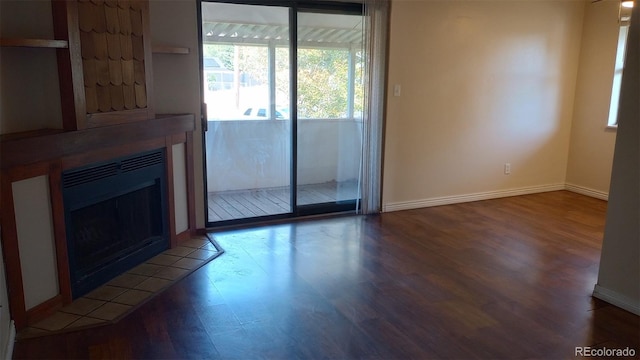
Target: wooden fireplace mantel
{"points": [[48, 153], [50, 144]]}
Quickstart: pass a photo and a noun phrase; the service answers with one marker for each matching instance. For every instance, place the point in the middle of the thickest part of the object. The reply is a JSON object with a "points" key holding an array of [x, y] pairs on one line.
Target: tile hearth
{"points": [[114, 300]]}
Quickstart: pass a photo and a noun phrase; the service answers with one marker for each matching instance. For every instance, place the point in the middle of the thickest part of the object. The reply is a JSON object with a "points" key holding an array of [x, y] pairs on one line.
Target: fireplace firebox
{"points": [[116, 217]]}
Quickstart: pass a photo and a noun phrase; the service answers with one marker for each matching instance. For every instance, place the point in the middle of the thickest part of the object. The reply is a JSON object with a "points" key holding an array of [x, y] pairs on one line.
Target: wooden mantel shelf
{"points": [[39, 146], [34, 43]]}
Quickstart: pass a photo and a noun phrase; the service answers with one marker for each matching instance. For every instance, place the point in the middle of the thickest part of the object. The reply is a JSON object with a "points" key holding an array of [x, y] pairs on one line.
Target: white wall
{"points": [[180, 190], [29, 83], [483, 83], [619, 274], [176, 78], [36, 243], [257, 154], [591, 149]]}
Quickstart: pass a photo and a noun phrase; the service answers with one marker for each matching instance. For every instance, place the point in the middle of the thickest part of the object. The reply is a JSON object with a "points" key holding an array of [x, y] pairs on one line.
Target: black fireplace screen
{"points": [[116, 217]]}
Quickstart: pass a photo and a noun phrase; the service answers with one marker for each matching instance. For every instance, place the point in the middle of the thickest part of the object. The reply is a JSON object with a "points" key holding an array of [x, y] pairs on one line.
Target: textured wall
{"points": [[591, 150], [619, 275], [483, 83]]}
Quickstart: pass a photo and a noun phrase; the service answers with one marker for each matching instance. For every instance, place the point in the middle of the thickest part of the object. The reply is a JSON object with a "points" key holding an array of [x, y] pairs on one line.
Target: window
{"points": [[247, 67], [619, 67]]}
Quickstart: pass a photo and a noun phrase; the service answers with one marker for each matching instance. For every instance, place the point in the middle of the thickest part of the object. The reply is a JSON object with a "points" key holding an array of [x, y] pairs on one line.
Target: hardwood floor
{"points": [[499, 279]]}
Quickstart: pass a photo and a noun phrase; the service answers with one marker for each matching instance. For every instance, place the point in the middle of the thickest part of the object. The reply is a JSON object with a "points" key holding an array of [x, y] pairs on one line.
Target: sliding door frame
{"points": [[295, 7]]}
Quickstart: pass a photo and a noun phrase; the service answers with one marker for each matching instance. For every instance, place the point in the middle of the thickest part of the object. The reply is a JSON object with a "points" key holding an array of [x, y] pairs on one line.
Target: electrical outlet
{"points": [[507, 168], [397, 90]]}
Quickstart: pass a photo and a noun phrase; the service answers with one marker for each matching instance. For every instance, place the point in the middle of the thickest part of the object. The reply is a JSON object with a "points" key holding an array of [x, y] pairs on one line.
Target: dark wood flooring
{"points": [[500, 279]]}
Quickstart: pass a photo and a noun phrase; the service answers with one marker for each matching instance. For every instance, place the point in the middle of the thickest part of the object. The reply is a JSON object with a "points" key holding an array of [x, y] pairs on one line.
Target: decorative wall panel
{"points": [[113, 56]]}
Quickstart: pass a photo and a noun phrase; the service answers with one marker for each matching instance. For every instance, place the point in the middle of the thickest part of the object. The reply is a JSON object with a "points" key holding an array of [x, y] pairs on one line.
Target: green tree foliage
{"points": [[358, 101], [323, 76], [221, 52], [252, 60]]}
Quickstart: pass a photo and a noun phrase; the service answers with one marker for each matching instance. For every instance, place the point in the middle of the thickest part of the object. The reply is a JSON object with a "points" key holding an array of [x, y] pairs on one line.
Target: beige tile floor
{"points": [[120, 296]]}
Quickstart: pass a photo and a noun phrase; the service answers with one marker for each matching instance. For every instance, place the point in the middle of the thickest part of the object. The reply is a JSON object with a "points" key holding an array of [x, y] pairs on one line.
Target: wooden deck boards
{"points": [[240, 204]]}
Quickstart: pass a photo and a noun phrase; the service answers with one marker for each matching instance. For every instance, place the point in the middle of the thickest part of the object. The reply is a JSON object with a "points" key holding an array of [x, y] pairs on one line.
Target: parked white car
{"points": [[263, 113]]}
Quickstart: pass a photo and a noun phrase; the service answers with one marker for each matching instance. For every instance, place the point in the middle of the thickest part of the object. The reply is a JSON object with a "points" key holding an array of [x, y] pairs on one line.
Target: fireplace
{"points": [[116, 217]]}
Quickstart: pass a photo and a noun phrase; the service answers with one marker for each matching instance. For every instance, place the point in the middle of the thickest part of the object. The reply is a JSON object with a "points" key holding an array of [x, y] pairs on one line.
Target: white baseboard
{"points": [[8, 350], [617, 299], [455, 199], [587, 191]]}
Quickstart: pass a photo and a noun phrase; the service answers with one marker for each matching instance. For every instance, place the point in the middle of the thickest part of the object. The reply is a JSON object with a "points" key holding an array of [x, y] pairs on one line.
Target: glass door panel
{"points": [[329, 108], [246, 91]]}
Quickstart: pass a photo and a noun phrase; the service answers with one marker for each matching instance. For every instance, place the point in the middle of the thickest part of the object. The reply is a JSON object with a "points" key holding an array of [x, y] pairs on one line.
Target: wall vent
{"points": [[142, 161], [113, 168], [80, 177]]}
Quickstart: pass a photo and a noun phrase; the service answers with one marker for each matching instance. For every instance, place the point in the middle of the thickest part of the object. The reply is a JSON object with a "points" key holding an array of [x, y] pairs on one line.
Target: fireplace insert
{"points": [[116, 217]]}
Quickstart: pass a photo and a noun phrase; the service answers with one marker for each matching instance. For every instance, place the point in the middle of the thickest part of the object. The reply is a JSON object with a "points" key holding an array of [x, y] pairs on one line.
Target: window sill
{"points": [[611, 127]]}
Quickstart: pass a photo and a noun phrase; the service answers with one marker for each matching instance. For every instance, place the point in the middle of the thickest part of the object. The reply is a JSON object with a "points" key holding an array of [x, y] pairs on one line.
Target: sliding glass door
{"points": [[329, 109], [246, 87], [284, 117]]}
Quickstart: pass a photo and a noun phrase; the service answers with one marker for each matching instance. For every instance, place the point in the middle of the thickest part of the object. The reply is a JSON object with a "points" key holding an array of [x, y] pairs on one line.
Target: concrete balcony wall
{"points": [[255, 154]]}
